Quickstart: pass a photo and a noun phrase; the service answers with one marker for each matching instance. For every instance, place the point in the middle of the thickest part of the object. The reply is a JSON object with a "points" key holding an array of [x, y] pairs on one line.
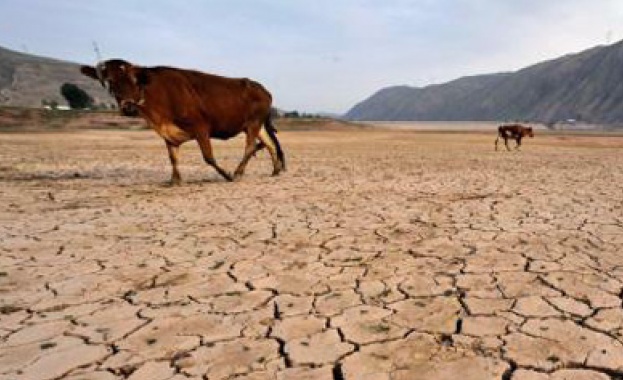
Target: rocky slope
{"points": [[26, 80], [587, 86]]}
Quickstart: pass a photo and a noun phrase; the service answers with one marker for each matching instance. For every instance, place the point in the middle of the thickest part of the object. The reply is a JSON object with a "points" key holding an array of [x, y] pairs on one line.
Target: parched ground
{"points": [[378, 255]]}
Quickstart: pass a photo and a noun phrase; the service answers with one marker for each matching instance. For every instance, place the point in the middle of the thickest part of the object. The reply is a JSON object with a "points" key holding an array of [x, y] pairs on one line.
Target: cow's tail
{"points": [[272, 133]]}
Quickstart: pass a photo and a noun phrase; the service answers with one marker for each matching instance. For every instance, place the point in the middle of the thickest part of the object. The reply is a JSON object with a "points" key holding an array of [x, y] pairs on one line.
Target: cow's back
{"points": [[198, 99], [230, 97]]}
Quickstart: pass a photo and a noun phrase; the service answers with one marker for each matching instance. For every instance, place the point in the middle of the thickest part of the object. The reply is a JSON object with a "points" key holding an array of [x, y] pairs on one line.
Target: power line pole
{"points": [[96, 48]]}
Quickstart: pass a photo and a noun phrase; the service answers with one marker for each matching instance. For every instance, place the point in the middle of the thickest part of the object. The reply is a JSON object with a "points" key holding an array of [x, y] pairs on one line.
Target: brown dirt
{"points": [[20, 119], [377, 255]]}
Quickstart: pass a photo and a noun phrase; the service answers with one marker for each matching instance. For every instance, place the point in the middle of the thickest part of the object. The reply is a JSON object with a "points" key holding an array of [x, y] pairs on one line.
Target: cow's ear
{"points": [[89, 71], [142, 77]]}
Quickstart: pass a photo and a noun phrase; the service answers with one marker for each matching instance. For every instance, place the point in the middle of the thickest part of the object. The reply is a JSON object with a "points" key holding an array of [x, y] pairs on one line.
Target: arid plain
{"points": [[378, 255]]}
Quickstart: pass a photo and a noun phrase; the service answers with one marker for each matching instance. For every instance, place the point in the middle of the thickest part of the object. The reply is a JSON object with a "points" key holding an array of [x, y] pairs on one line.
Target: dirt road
{"points": [[378, 255]]}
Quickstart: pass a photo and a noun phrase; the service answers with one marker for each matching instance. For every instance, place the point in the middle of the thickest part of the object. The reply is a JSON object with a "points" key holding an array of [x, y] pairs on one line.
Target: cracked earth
{"points": [[379, 255]]}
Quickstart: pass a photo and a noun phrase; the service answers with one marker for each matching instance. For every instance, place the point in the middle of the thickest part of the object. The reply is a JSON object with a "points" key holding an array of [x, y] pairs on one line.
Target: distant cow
{"points": [[514, 131], [182, 105]]}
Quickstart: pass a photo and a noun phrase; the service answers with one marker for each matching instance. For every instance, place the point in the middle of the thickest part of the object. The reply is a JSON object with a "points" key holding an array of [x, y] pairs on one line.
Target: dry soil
{"points": [[378, 255]]}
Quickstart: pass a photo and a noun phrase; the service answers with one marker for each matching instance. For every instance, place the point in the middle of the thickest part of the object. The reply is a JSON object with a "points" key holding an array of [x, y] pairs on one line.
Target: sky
{"points": [[315, 56]]}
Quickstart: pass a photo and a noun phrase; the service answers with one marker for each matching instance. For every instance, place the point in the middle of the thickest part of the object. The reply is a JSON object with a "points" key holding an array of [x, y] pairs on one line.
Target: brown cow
{"points": [[515, 131], [182, 105]]}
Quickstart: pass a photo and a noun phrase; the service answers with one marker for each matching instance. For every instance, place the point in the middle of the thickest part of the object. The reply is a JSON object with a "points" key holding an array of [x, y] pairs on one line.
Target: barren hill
{"points": [[587, 86], [25, 80]]}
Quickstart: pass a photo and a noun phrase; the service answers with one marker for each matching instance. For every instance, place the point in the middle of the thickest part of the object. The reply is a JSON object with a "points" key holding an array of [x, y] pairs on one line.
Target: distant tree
{"points": [[301, 115], [293, 114], [76, 97]]}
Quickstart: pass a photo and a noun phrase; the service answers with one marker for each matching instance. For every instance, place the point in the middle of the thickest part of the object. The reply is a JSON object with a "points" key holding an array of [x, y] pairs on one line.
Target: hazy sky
{"points": [[322, 55]]}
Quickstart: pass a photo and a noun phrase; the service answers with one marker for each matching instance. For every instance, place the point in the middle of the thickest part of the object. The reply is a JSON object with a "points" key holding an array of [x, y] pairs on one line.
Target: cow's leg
{"points": [[249, 150], [518, 140], [174, 150], [506, 142], [496, 142], [208, 157], [272, 149]]}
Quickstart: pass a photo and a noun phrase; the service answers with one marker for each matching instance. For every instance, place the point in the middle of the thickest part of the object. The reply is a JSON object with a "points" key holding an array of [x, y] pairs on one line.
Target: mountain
{"points": [[26, 80], [587, 86]]}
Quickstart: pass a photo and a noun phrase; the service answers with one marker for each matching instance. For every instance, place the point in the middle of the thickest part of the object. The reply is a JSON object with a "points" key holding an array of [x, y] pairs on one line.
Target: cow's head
{"points": [[123, 80], [529, 132]]}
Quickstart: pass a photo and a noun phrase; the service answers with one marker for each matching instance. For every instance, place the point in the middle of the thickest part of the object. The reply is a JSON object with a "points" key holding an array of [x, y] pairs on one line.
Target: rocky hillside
{"points": [[587, 86], [26, 80]]}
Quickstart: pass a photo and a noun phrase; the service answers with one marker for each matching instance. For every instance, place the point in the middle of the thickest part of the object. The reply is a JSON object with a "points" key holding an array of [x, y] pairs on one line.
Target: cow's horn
{"points": [[99, 69]]}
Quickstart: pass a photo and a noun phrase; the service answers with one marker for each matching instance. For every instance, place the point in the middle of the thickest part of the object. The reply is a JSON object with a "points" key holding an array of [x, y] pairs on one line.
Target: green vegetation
{"points": [[76, 97], [300, 115]]}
